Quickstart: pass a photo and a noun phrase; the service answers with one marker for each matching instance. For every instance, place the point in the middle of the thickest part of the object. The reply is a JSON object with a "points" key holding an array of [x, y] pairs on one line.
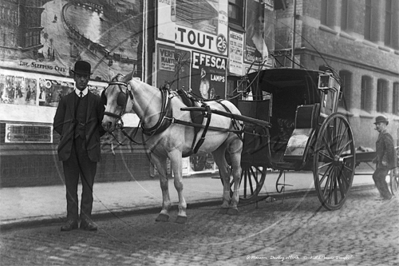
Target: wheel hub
{"points": [[338, 160]]}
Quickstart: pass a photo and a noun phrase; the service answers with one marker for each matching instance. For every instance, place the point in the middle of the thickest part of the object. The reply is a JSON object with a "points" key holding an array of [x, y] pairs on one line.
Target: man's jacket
{"points": [[385, 149], [65, 122]]}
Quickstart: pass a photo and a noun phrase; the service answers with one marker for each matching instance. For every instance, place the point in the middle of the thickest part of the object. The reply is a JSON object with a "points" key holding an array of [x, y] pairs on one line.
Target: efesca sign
{"points": [[209, 61]]}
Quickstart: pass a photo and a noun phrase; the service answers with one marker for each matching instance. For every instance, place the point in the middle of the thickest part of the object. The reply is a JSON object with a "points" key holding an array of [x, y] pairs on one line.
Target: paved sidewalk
{"points": [[27, 205]]}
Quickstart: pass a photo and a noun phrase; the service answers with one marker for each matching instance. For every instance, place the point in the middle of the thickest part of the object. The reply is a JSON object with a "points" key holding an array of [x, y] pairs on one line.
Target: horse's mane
{"points": [[122, 78]]}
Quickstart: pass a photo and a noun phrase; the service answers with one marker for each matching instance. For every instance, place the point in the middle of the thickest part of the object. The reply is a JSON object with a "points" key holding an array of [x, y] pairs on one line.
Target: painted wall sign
{"points": [[208, 75], [200, 24], [28, 133], [51, 36]]}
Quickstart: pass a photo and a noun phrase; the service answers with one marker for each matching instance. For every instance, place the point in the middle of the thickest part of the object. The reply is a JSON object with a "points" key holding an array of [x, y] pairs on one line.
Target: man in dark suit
{"points": [[386, 157], [78, 121]]}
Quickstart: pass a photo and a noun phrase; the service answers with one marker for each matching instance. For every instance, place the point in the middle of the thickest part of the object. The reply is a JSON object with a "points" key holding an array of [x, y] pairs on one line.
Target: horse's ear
{"points": [[127, 78]]}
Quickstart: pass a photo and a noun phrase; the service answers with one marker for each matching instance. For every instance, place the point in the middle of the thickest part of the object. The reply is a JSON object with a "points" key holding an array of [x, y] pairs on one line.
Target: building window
{"points": [[345, 15], [365, 94], [346, 89], [368, 21], [324, 12], [236, 11], [382, 90], [32, 38], [395, 100], [389, 23]]}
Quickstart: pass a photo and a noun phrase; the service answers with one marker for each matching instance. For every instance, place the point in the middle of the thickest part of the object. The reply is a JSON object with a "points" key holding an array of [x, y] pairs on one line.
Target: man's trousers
{"points": [[380, 182], [77, 165]]}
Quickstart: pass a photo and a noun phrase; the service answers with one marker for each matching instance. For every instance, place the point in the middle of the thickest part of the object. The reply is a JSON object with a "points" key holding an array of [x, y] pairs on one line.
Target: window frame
{"points": [[344, 15], [365, 93], [346, 88], [395, 98], [368, 20], [240, 8], [388, 29], [324, 12], [382, 95]]}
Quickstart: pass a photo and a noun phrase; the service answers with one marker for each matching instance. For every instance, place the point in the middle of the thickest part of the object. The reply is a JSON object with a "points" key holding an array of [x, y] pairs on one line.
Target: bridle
{"points": [[121, 100]]}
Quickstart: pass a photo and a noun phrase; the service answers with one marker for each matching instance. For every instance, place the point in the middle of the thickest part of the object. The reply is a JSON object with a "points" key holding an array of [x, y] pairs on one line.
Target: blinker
{"points": [[122, 99]]}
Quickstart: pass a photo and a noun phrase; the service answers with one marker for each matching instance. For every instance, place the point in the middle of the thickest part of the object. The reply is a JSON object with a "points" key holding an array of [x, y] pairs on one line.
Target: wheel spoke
{"points": [[255, 175], [345, 180], [347, 168], [250, 181], [327, 147], [324, 175], [245, 183], [327, 175], [335, 186], [325, 165], [341, 150], [330, 189], [342, 186]]}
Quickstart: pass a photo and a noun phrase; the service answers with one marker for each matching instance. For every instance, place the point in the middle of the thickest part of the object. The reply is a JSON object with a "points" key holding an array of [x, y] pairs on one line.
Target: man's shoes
{"points": [[384, 199], [69, 225], [88, 225]]}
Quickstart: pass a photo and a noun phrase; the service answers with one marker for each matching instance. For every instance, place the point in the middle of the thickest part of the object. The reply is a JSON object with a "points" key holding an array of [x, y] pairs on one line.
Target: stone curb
{"points": [[116, 213]]}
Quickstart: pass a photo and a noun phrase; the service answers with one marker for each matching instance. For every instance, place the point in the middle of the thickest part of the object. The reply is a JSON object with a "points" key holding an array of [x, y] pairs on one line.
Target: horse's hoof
{"points": [[162, 218], [181, 219], [232, 211], [223, 210]]}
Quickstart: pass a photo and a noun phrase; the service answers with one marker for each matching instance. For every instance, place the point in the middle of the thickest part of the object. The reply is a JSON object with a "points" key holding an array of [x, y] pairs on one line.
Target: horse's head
{"points": [[115, 97]]}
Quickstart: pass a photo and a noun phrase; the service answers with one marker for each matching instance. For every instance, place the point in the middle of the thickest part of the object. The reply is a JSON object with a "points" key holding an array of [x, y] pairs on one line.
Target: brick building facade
{"points": [[359, 39]]}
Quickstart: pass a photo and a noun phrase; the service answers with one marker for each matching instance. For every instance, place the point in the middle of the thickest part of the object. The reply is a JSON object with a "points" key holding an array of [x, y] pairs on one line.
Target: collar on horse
{"points": [[165, 116]]}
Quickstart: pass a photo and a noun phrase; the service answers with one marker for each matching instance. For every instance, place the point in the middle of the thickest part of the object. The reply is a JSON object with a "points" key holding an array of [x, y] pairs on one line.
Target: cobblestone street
{"points": [[295, 231]]}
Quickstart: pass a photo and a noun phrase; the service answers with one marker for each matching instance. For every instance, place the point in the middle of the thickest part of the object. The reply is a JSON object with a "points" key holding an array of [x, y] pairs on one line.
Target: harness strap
{"points": [[185, 123], [208, 115]]}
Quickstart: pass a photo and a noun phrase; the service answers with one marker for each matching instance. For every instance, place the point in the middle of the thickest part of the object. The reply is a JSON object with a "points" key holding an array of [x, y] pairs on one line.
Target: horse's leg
{"points": [[160, 163], [235, 150], [175, 157], [220, 159]]}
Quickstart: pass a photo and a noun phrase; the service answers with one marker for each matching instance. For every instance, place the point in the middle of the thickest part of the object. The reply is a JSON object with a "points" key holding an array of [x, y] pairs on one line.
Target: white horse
{"points": [[165, 138]]}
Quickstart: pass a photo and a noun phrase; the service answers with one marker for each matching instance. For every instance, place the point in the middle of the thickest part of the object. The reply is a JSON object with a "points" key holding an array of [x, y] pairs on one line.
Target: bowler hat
{"points": [[82, 68], [381, 119]]}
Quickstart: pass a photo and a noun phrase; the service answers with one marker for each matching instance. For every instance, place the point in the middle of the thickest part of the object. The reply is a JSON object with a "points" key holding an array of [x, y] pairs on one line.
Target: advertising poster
{"points": [[52, 35], [236, 48], [51, 91], [173, 67], [259, 38], [17, 90], [200, 24], [166, 59], [208, 75]]}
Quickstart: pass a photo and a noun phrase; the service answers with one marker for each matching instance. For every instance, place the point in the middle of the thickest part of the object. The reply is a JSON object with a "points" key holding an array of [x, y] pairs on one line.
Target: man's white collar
{"points": [[85, 91]]}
